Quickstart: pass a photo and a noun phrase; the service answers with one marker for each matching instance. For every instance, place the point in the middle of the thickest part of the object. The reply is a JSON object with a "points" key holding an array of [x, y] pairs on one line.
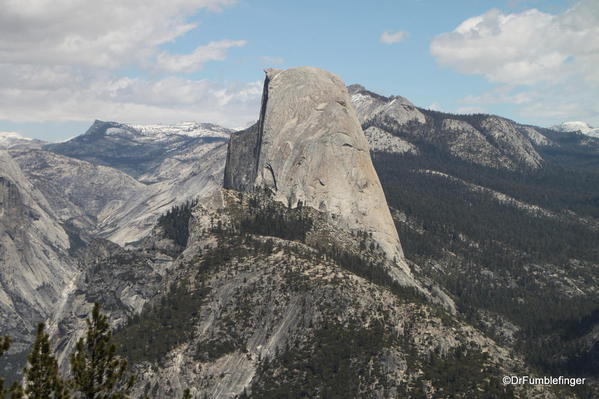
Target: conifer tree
{"points": [[186, 394], [41, 376], [98, 373]]}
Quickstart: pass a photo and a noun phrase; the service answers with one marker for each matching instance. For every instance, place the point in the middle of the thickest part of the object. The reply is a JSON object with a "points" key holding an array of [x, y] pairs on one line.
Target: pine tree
{"points": [[41, 377], [98, 373], [186, 394]]}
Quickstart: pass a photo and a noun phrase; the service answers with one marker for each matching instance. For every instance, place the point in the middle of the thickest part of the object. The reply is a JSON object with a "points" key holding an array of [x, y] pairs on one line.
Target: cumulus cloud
{"points": [[54, 97], [106, 33], [530, 55], [62, 61], [390, 37]]}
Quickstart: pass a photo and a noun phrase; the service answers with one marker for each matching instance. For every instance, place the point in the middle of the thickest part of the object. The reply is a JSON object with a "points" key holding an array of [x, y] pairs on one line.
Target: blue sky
{"points": [[147, 62]]}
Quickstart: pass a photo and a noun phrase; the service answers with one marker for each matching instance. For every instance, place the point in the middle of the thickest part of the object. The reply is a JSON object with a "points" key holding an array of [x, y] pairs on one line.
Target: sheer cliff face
{"points": [[308, 147], [34, 263]]}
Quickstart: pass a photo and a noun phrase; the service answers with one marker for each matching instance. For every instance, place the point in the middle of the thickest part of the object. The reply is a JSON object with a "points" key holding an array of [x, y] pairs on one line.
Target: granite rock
{"points": [[308, 149]]}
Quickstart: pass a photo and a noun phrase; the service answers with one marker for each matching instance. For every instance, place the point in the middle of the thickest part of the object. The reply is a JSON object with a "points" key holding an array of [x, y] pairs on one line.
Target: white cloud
{"points": [[169, 99], [107, 33], [390, 37], [547, 59], [434, 106], [213, 51], [60, 61]]}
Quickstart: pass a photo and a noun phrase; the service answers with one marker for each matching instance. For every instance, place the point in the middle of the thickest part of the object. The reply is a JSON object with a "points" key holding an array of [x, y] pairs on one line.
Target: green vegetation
{"points": [[463, 373], [149, 335], [270, 218], [42, 379], [372, 271], [335, 363], [98, 373], [175, 223], [4, 346], [447, 208], [497, 257]]}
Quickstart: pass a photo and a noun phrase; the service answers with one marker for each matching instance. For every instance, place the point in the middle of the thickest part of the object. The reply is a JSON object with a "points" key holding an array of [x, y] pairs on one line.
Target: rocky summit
{"points": [[309, 149]]}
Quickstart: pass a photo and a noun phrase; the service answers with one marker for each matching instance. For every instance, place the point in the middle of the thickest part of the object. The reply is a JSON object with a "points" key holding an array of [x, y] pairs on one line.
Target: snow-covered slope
{"points": [[11, 139], [577, 126], [191, 129]]}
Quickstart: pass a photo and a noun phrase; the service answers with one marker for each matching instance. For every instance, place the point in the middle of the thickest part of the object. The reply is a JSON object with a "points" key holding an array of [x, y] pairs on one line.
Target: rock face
{"points": [[86, 195], [381, 140], [35, 266], [121, 178], [112, 182], [309, 149], [481, 139]]}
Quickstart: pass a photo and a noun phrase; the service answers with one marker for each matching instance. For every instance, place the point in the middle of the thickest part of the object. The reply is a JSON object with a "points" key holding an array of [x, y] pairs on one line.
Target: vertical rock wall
{"points": [[309, 146]]}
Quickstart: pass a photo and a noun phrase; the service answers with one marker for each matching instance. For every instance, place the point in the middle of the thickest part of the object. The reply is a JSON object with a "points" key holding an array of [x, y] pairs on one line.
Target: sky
{"points": [[65, 63]]}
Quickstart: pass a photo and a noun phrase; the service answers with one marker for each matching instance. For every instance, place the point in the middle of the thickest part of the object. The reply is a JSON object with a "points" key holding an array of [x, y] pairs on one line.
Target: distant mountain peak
{"points": [[9, 138], [577, 126], [101, 128], [157, 131], [357, 89], [191, 129]]}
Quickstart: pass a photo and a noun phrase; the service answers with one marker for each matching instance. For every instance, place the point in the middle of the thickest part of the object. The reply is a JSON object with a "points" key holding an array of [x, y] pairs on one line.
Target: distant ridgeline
{"points": [[516, 247]]}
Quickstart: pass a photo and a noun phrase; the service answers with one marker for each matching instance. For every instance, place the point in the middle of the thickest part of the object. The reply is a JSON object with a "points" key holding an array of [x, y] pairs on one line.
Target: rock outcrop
{"points": [[308, 149]]}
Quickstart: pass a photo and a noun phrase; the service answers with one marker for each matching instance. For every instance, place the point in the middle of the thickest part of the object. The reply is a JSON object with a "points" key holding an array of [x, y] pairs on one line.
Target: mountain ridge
{"points": [[253, 285]]}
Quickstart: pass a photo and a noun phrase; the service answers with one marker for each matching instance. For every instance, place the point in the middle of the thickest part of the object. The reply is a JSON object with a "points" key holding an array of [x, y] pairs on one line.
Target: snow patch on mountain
{"points": [[577, 126], [8, 139], [191, 129]]}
